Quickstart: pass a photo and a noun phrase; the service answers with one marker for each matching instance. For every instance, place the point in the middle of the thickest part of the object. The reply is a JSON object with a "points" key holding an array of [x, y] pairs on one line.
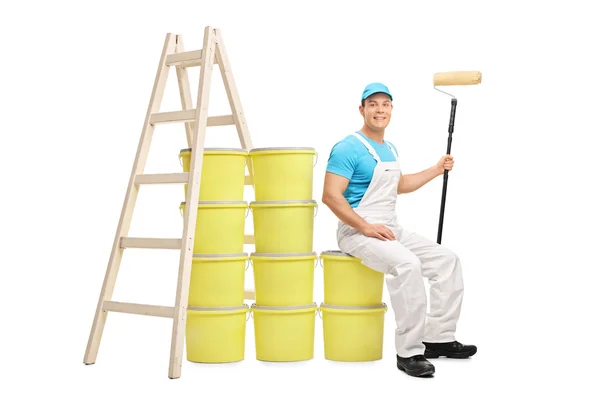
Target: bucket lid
{"points": [[382, 305], [225, 308], [283, 255], [202, 202], [216, 149], [277, 308], [281, 148], [335, 253], [228, 255]]}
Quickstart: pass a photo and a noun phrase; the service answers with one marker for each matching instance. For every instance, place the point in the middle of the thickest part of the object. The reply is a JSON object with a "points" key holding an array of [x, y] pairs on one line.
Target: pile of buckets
{"points": [[216, 313], [283, 264], [353, 310]]}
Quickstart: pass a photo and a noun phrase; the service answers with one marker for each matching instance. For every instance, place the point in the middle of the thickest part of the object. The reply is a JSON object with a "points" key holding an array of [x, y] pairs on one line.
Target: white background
{"points": [[521, 212]]}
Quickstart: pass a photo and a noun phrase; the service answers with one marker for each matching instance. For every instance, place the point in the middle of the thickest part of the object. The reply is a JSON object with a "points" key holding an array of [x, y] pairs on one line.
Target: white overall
{"points": [[405, 262]]}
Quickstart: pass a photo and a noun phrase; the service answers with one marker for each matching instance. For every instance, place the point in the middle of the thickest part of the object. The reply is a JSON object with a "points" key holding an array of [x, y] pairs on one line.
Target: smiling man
{"points": [[362, 182]]}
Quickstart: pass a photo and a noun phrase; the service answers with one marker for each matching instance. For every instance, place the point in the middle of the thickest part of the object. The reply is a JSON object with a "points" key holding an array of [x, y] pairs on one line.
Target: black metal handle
{"points": [[445, 187]]}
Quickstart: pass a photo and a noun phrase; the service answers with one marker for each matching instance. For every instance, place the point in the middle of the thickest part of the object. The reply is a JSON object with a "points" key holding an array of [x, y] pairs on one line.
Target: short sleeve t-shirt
{"points": [[351, 159]]}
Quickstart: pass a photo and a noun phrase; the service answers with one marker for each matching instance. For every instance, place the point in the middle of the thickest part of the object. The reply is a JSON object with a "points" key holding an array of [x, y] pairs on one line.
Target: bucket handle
{"points": [[385, 310], [316, 159], [316, 210], [317, 312], [249, 262]]}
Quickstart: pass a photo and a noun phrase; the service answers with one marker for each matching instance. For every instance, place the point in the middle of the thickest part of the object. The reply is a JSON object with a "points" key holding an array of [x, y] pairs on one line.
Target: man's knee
{"points": [[452, 269], [448, 256], [410, 265]]}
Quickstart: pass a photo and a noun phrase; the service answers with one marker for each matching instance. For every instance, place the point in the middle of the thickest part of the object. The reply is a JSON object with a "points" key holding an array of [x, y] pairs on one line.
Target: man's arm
{"points": [[411, 182], [333, 197]]}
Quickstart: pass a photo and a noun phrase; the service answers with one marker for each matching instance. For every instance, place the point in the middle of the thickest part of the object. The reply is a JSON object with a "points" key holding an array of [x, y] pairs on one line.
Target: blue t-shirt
{"points": [[351, 159]]}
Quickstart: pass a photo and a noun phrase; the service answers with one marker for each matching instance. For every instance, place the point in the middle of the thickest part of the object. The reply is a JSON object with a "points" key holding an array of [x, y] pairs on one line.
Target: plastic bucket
{"points": [[284, 333], [283, 226], [223, 173], [216, 334], [283, 279], [220, 226], [283, 173], [353, 333], [217, 280], [348, 282]]}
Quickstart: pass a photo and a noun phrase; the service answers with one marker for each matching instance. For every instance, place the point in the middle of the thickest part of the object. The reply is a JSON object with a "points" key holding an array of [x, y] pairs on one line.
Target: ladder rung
{"points": [[140, 309], [170, 117], [186, 59], [150, 243], [249, 294], [221, 120], [181, 177], [248, 180], [248, 239]]}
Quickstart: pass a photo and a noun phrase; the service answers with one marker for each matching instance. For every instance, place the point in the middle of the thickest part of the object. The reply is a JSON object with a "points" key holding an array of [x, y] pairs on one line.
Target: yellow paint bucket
{"points": [[283, 173], [283, 279], [353, 333], [283, 226], [219, 226], [223, 173], [348, 282], [217, 280], [216, 334], [284, 333]]}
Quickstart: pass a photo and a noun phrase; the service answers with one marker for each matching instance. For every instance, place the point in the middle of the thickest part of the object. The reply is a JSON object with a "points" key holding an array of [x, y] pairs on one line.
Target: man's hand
{"points": [[378, 231], [446, 162]]}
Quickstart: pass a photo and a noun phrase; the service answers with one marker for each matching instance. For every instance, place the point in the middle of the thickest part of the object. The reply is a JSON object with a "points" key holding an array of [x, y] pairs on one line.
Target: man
{"points": [[362, 182]]}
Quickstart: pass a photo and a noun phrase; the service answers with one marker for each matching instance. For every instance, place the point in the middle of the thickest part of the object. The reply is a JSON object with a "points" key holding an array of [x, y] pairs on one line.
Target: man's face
{"points": [[377, 111]]}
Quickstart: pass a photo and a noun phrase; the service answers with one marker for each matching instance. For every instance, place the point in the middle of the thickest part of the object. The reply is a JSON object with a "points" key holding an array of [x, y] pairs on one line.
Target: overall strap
{"points": [[368, 146], [392, 149]]}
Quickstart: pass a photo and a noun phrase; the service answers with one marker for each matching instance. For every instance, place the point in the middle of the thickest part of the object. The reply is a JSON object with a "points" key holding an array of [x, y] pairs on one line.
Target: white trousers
{"points": [[405, 262]]}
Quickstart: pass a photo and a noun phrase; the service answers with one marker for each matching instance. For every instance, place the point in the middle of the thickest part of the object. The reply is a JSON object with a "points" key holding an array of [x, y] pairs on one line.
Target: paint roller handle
{"points": [[451, 125], [445, 186]]}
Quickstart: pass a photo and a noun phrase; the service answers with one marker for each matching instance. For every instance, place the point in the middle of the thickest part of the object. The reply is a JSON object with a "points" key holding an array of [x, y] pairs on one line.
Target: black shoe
{"points": [[449, 349], [415, 365]]}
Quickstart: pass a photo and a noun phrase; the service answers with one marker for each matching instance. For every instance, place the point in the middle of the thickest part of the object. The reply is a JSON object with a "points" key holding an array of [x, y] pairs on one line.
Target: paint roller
{"points": [[452, 78]]}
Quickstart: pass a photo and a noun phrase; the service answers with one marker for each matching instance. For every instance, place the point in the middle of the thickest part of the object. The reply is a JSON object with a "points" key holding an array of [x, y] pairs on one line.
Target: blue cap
{"points": [[376, 87]]}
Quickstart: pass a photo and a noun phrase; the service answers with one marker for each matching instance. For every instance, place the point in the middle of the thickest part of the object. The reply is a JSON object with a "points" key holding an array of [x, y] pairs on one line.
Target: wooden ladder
{"points": [[195, 120]]}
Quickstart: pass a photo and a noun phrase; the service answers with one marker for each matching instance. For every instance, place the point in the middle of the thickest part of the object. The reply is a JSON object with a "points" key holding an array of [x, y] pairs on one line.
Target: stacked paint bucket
{"points": [[284, 262], [216, 313], [353, 310]]}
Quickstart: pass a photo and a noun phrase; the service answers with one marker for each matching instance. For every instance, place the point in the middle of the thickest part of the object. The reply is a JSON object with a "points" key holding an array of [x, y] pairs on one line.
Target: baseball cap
{"points": [[375, 87]]}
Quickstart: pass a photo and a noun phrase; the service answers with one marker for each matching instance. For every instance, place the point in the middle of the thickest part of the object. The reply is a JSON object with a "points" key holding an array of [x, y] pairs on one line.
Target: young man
{"points": [[362, 182]]}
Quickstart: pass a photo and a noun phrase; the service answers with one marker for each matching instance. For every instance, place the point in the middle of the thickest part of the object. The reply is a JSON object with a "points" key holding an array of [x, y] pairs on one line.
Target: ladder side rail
{"points": [[139, 164]]}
